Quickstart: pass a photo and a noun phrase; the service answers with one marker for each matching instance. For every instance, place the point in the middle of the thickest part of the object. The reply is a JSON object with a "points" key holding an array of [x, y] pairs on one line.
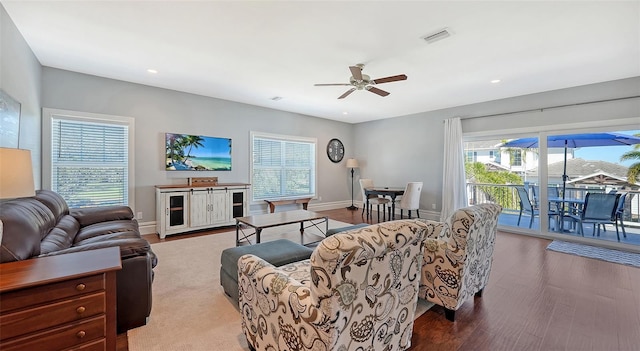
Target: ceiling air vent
{"points": [[437, 35]]}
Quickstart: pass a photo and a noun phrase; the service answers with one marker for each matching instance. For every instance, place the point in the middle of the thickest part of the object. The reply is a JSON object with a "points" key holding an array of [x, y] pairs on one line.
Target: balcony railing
{"points": [[507, 196]]}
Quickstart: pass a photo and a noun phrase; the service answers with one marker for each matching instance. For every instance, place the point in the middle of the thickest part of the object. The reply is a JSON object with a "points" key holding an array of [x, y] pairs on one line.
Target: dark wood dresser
{"points": [[65, 302]]}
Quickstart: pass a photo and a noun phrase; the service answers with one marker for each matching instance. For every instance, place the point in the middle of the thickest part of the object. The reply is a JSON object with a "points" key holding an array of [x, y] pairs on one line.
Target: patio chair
{"points": [[553, 210], [620, 213], [599, 208], [526, 206]]}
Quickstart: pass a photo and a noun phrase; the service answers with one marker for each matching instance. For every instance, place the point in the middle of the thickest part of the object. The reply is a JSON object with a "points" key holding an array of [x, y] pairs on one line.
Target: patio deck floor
{"points": [[632, 229]]}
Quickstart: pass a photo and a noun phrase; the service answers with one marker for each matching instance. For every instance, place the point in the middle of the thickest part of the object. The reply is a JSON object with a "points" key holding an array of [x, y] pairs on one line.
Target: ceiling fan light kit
{"points": [[360, 81]]}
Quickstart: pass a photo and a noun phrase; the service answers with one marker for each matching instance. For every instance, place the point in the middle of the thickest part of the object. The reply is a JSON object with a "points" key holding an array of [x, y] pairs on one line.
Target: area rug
{"points": [[190, 310], [600, 253]]}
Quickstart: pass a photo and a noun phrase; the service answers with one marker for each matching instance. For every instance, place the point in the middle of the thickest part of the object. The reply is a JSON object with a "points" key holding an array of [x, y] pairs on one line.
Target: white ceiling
{"points": [[251, 52]]}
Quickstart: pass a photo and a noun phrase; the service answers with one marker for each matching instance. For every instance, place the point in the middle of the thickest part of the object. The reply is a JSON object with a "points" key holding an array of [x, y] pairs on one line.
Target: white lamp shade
{"points": [[16, 174], [352, 163]]}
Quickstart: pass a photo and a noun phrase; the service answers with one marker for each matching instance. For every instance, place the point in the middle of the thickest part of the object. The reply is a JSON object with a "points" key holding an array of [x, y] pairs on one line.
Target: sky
{"points": [[607, 153]]}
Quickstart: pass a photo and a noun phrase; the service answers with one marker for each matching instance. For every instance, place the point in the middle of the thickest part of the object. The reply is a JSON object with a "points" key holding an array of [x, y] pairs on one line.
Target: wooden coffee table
{"points": [[260, 222]]}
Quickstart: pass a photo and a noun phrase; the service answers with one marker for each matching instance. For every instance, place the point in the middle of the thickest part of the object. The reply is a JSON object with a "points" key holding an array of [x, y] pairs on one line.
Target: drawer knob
{"points": [[80, 287], [81, 334], [80, 309]]}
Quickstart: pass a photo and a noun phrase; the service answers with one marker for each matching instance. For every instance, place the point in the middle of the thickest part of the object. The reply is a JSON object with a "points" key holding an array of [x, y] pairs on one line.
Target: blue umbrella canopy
{"points": [[575, 141]]}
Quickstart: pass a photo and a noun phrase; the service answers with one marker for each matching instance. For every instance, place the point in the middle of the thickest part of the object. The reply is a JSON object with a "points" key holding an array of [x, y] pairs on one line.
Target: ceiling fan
{"points": [[361, 81]]}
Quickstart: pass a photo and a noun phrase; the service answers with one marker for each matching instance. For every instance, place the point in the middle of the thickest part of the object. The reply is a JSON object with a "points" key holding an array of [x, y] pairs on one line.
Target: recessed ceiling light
{"points": [[152, 71], [345, 113], [277, 98], [495, 81]]}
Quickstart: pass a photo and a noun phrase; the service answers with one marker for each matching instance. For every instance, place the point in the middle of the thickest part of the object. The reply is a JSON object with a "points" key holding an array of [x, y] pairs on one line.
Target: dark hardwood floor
{"points": [[535, 300]]}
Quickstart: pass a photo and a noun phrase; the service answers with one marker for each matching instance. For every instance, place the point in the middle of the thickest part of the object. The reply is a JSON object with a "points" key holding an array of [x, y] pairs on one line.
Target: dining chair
{"points": [[372, 200], [599, 208], [411, 198]]}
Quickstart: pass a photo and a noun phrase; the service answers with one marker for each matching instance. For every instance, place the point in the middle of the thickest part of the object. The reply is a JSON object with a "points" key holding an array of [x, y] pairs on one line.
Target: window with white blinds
{"points": [[90, 161], [282, 166]]}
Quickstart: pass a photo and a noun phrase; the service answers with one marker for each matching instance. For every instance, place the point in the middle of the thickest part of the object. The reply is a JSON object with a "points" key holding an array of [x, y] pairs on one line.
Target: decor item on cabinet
{"points": [[358, 289], [197, 153], [458, 255], [44, 225], [183, 208], [16, 174], [335, 150], [352, 163], [9, 121], [203, 181], [54, 303]]}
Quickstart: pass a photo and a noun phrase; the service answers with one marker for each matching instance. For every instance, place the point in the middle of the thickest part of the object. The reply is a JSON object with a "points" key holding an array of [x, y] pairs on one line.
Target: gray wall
{"points": [[410, 148], [157, 111], [20, 76]]}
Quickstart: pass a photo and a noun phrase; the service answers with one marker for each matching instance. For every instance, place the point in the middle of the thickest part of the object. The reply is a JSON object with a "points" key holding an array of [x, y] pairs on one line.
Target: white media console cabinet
{"points": [[183, 208]]}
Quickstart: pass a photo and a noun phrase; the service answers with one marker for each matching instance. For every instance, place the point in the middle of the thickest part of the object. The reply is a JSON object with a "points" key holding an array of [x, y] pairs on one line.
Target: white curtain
{"points": [[454, 191]]}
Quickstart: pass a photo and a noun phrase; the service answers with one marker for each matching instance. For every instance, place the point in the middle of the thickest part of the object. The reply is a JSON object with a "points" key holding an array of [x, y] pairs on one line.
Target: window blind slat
{"points": [[282, 168], [90, 162]]}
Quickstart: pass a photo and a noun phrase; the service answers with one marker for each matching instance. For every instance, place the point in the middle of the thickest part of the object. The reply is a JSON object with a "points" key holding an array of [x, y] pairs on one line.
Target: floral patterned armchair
{"points": [[458, 255], [358, 291]]}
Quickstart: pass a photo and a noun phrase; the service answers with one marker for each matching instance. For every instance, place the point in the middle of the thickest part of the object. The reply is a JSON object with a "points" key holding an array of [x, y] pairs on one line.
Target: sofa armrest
{"points": [[92, 215], [129, 247]]}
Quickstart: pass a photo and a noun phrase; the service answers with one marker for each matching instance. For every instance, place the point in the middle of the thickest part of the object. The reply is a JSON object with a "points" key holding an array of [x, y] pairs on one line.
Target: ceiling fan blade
{"points": [[377, 91], [347, 93], [356, 72], [331, 84], [390, 79]]}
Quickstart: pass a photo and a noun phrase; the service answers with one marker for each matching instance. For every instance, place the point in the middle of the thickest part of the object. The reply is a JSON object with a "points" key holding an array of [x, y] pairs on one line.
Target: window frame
{"points": [[291, 138], [49, 114]]}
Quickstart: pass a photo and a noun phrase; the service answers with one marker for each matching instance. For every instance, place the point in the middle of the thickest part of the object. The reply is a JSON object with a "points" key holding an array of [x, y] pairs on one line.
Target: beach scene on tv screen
{"points": [[197, 153]]}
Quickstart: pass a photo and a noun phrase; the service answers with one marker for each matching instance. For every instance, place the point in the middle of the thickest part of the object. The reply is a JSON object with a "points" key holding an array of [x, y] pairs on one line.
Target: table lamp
{"points": [[352, 163], [16, 173]]}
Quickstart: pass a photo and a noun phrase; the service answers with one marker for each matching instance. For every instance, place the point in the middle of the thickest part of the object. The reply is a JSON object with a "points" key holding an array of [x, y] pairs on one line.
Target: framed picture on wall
{"points": [[9, 120]]}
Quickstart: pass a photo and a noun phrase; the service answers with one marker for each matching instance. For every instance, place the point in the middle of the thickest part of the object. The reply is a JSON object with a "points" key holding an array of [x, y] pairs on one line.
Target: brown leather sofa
{"points": [[44, 225]]}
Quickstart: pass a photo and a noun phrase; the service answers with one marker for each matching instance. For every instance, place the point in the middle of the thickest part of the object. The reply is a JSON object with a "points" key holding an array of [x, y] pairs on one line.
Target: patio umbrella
{"points": [[574, 141]]}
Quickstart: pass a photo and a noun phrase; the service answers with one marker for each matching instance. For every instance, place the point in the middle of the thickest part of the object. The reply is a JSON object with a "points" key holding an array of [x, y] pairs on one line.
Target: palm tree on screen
{"points": [[190, 141]]}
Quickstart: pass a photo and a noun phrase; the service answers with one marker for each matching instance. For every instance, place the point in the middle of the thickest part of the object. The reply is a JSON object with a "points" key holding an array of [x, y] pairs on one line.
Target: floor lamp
{"points": [[352, 163]]}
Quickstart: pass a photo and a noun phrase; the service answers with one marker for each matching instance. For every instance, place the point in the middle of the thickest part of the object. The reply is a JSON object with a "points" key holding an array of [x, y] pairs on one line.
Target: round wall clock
{"points": [[335, 150]]}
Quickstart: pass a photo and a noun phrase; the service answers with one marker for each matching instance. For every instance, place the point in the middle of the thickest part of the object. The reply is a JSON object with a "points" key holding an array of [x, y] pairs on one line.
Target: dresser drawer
{"points": [[98, 345], [45, 293], [73, 335], [46, 316]]}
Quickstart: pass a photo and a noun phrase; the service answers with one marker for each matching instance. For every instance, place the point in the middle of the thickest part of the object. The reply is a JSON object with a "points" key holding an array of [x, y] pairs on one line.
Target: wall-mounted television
{"points": [[197, 153]]}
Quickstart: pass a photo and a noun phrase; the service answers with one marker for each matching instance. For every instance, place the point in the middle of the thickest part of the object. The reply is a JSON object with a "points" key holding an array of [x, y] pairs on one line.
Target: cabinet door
{"points": [[220, 209], [176, 210], [199, 214], [237, 201]]}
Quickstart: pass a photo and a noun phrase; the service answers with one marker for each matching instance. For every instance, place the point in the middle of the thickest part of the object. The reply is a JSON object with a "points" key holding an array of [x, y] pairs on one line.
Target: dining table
{"points": [[573, 204], [391, 192]]}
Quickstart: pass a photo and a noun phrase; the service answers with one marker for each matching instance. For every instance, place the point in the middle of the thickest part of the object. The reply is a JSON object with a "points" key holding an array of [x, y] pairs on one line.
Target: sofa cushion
{"points": [[25, 222], [114, 229], [92, 215], [61, 236], [54, 202]]}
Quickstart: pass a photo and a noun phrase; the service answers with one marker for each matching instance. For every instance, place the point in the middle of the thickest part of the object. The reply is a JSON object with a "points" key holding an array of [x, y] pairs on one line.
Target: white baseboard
{"points": [[147, 228], [150, 227]]}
